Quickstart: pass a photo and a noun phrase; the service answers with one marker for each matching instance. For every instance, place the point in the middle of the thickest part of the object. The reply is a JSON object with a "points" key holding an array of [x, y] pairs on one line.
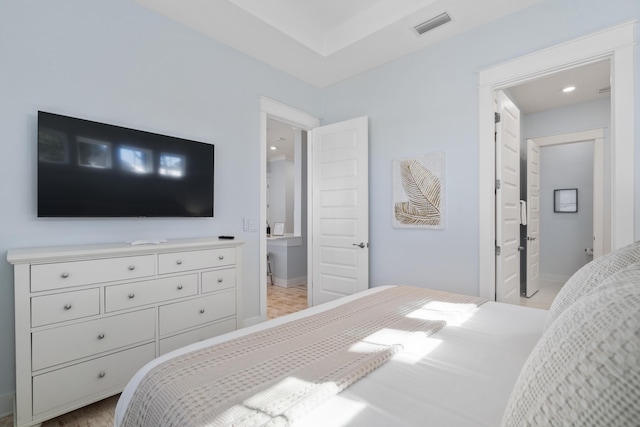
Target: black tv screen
{"points": [[91, 169]]}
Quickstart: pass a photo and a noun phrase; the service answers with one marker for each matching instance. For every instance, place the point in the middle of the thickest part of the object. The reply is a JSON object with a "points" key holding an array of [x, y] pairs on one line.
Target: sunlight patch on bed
{"points": [[260, 407], [415, 345], [452, 313], [416, 349], [279, 403]]}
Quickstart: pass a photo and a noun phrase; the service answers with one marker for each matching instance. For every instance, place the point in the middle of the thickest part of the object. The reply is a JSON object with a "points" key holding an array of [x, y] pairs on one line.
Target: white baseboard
{"points": [[289, 283], [251, 321], [6, 404], [557, 278]]}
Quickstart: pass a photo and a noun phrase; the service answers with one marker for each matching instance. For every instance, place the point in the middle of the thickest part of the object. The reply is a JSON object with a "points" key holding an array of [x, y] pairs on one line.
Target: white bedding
{"points": [[461, 376]]}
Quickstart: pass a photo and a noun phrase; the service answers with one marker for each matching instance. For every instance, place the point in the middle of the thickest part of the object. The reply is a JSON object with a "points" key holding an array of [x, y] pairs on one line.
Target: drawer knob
{"points": [[67, 307], [179, 262], [179, 287], [202, 311], [102, 374], [64, 275], [220, 257], [132, 295], [132, 267], [220, 279], [101, 336]]}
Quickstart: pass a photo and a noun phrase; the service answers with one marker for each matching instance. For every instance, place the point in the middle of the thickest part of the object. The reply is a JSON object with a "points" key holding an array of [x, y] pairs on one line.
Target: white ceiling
{"points": [[280, 137], [546, 93], [323, 42]]}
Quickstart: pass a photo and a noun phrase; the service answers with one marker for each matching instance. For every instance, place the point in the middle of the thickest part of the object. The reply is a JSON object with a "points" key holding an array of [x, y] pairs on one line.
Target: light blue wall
{"points": [[584, 116], [565, 236], [428, 102], [116, 62]]}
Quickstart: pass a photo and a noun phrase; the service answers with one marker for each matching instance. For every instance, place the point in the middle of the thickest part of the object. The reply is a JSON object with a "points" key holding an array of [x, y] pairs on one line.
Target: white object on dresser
{"points": [[88, 317]]}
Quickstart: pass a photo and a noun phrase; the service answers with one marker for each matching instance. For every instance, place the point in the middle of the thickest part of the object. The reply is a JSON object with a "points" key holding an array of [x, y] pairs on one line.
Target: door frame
{"points": [[300, 119], [597, 136], [615, 44], [532, 236]]}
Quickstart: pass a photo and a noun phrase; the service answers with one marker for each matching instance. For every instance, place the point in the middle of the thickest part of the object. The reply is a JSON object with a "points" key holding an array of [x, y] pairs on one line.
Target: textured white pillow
{"points": [[585, 370], [590, 276]]}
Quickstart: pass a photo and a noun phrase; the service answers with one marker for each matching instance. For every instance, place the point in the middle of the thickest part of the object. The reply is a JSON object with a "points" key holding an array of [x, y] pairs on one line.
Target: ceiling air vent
{"points": [[432, 23]]}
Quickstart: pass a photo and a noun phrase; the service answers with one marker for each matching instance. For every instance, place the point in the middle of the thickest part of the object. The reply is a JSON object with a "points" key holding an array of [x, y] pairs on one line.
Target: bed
{"points": [[481, 363]]}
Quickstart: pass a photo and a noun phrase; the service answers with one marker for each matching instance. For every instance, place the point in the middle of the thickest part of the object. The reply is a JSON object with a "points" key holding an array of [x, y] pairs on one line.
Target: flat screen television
{"points": [[91, 169]]}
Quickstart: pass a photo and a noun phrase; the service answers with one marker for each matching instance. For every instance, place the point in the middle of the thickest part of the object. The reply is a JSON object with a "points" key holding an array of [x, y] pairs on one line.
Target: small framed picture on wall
{"points": [[565, 200]]}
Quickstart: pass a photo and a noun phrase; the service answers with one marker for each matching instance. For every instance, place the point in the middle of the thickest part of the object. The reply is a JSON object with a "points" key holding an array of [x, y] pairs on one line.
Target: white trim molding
{"points": [[571, 137], [295, 117], [288, 114], [616, 44]]}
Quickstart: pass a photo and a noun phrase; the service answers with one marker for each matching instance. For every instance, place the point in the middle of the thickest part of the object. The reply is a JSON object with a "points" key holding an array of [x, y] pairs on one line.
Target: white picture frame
{"points": [[278, 229]]}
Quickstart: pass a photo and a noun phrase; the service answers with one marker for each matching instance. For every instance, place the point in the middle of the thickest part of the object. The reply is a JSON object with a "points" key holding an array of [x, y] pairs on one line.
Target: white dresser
{"points": [[88, 317]]}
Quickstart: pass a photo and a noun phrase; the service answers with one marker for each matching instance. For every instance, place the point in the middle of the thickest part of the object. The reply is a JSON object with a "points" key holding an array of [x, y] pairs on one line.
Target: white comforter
{"points": [[460, 376]]}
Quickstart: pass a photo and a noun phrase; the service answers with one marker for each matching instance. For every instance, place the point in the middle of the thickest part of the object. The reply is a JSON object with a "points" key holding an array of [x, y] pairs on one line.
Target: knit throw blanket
{"points": [[273, 377]]}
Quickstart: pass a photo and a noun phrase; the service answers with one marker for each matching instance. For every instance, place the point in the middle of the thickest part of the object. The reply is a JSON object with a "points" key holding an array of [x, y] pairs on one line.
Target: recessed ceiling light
{"points": [[273, 147], [569, 89]]}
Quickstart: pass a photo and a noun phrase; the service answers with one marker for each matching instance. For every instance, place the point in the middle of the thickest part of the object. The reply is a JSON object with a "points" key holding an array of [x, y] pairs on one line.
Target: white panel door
{"points": [[533, 217], [340, 200], [508, 201]]}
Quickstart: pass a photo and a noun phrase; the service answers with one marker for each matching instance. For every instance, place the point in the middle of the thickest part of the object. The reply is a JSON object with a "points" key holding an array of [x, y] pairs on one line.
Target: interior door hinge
{"points": [[498, 250], [496, 117], [498, 184]]}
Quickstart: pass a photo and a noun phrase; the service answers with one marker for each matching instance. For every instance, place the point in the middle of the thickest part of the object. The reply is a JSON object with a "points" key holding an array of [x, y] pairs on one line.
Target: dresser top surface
{"points": [[60, 253]]}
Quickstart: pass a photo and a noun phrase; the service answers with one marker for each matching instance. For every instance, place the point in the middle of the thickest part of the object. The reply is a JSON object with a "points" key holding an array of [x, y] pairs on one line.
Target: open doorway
{"points": [[538, 246], [286, 226], [337, 204], [576, 235], [270, 109], [565, 117], [614, 44]]}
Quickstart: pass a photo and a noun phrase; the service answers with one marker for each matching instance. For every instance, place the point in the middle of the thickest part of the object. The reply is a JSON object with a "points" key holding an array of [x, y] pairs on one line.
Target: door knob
{"points": [[361, 245], [531, 239]]}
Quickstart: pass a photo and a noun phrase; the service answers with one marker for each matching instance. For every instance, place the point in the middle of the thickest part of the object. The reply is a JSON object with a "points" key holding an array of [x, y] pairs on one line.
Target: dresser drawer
{"points": [[200, 334], [130, 295], [67, 343], [64, 306], [187, 314], [76, 273], [176, 262], [87, 381], [218, 279]]}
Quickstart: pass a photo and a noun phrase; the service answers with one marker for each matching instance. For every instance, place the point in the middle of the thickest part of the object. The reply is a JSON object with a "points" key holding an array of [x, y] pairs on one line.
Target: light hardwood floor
{"points": [[281, 301], [544, 297], [99, 414]]}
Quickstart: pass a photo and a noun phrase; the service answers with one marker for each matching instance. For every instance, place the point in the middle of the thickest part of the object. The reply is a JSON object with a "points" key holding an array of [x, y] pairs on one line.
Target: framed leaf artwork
{"points": [[418, 192]]}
